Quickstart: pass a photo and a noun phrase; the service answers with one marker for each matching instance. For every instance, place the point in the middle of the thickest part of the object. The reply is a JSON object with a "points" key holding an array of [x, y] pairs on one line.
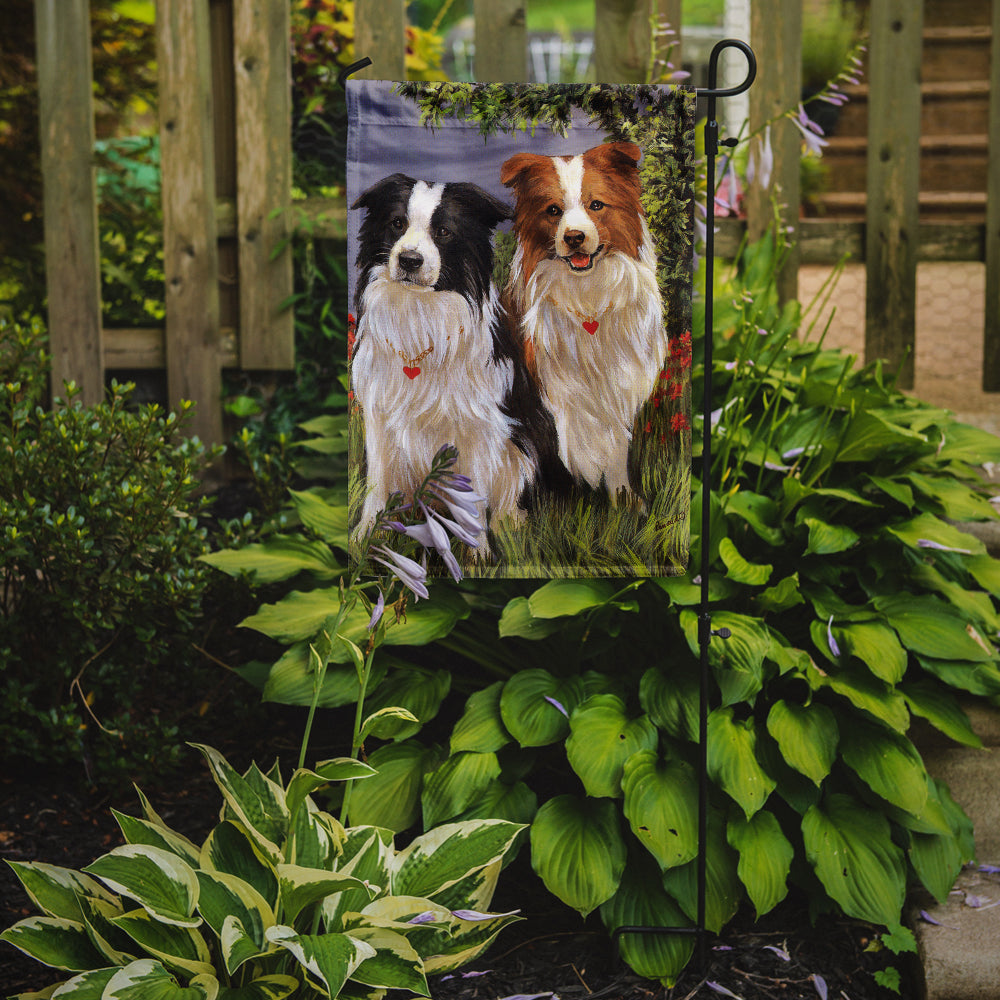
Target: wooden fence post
{"points": [[380, 34], [72, 255], [893, 183], [190, 251], [621, 40], [501, 41], [776, 35], [262, 61], [991, 332]]}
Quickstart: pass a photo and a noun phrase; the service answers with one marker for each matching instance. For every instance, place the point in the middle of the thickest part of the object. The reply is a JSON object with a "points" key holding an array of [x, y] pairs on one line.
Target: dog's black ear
{"points": [[378, 191], [489, 210]]}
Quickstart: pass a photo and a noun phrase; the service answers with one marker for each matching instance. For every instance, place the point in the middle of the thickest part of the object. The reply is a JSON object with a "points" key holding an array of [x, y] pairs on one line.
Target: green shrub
{"points": [[279, 900], [99, 539]]}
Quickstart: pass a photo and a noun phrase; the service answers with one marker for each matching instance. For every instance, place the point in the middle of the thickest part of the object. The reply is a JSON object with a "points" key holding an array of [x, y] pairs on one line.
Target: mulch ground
{"points": [[550, 953]]}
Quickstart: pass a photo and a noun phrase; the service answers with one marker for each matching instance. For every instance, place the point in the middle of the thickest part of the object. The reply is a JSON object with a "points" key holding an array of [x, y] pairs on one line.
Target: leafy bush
{"points": [[279, 899], [854, 603], [99, 539]]}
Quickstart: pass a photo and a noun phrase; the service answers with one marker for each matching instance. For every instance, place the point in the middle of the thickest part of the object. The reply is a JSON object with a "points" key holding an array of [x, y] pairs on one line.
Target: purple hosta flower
{"points": [[465, 975], [427, 917], [475, 915], [458, 496], [558, 705], [780, 952], [531, 996], [377, 612], [831, 642], [727, 197], [820, 983], [927, 543], [989, 869], [719, 988], [760, 165], [410, 573], [811, 132]]}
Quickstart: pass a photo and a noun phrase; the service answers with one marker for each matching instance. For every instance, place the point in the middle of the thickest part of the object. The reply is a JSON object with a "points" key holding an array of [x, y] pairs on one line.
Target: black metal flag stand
{"points": [[705, 631]]}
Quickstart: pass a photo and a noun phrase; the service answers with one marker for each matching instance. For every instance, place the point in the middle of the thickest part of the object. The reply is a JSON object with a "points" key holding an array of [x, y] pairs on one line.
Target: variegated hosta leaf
{"points": [[256, 801], [160, 882], [86, 986], [807, 736], [395, 964], [56, 891], [468, 939], [366, 855], [147, 979], [732, 760], [275, 987], [765, 858], [850, 847], [315, 838], [300, 887], [230, 849], [54, 941], [225, 897], [328, 959], [441, 857], [642, 902], [304, 782], [661, 799], [475, 891], [602, 737], [141, 831], [116, 946], [177, 947], [578, 851]]}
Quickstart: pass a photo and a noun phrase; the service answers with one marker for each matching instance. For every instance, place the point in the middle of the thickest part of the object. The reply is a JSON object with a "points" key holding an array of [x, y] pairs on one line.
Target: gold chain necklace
{"points": [[411, 366], [589, 321]]}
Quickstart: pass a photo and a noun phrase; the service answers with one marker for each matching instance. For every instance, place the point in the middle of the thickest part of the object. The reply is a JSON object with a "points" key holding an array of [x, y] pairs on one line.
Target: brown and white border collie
{"points": [[583, 290]]}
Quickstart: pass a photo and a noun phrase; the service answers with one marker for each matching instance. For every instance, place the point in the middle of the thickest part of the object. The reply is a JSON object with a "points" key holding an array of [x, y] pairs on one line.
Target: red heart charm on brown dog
{"points": [[410, 373], [590, 325]]}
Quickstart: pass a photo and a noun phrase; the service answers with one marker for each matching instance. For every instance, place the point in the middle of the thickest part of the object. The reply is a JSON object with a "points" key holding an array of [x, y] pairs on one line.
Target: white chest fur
{"points": [[599, 343]]}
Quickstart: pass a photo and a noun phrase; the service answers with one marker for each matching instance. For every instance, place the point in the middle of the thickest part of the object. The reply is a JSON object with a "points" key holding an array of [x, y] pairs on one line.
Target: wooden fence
{"points": [[226, 160]]}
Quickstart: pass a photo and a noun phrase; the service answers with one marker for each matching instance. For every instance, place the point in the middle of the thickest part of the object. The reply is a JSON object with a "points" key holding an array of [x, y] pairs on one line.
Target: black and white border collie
{"points": [[434, 360], [584, 293]]}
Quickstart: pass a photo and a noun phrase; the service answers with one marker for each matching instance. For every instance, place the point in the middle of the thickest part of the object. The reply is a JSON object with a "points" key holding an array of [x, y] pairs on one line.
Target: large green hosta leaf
{"points": [[481, 727], [932, 628], [732, 760], [391, 798], [535, 706], [670, 698], [641, 901], [765, 858], [807, 736], [558, 598], [876, 645], [738, 661], [416, 689], [601, 740], [941, 709], [723, 889], [661, 806], [888, 763], [279, 558], [578, 851], [456, 784], [850, 848]]}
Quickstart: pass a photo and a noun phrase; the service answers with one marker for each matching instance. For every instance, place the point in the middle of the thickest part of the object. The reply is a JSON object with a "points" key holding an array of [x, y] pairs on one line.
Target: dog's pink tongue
{"points": [[580, 259]]}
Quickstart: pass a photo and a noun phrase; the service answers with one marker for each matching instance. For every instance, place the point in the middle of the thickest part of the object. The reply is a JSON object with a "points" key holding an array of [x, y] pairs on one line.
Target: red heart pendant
{"points": [[410, 373], [590, 325]]}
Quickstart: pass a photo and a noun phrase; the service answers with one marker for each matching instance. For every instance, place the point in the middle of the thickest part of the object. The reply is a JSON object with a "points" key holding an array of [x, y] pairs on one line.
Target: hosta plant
{"points": [[279, 900]]}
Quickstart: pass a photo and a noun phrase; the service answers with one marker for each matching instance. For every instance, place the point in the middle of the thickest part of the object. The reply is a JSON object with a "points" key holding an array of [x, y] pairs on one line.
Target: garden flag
{"points": [[520, 326]]}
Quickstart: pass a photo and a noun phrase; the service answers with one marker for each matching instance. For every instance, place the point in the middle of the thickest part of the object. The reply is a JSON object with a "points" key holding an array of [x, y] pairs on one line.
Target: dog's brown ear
{"points": [[515, 166], [616, 154]]}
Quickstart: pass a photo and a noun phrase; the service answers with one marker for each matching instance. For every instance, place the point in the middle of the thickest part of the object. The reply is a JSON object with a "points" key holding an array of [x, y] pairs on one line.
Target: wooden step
{"points": [[947, 162], [957, 206], [956, 53], [940, 13], [944, 104]]}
